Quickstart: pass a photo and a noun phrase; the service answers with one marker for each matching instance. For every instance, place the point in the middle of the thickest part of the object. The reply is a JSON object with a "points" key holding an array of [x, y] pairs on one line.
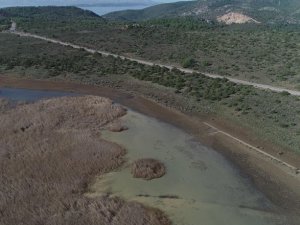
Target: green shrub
{"points": [[188, 63]]}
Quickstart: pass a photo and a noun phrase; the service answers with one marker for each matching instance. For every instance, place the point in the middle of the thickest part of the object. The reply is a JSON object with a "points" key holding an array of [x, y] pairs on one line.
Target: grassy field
{"points": [[274, 116], [261, 53]]}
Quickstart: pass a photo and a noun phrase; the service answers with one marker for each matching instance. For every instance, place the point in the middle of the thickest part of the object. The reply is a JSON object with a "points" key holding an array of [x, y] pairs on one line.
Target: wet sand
{"points": [[280, 186]]}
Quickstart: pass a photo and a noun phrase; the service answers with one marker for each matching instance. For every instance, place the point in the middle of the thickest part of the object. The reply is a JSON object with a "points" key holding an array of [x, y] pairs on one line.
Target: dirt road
{"points": [[149, 63]]}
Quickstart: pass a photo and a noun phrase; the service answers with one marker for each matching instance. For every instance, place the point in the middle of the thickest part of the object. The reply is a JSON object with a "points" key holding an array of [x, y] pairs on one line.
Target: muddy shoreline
{"points": [[282, 188]]}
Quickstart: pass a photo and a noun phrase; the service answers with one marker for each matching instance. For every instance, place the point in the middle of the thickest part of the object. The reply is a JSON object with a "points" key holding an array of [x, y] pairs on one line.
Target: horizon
{"points": [[100, 7], [104, 3]]}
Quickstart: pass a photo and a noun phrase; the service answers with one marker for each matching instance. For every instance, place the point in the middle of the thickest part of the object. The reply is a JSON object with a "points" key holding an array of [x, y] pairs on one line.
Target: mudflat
{"points": [[281, 186]]}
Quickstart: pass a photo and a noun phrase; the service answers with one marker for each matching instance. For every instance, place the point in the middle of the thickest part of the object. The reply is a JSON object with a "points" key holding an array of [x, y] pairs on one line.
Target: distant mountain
{"points": [[227, 11], [114, 3], [5, 3], [50, 13]]}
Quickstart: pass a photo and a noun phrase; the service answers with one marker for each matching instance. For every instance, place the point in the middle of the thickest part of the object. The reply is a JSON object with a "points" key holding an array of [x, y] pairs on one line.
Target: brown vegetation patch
{"points": [[4, 105], [117, 127], [49, 153], [148, 169]]}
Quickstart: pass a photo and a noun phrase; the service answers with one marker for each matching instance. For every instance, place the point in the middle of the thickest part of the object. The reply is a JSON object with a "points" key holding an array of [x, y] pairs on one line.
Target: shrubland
{"points": [[274, 116], [267, 53]]}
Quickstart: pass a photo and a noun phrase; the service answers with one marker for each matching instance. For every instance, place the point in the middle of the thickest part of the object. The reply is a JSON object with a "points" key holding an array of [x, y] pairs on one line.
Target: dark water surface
{"points": [[31, 95]]}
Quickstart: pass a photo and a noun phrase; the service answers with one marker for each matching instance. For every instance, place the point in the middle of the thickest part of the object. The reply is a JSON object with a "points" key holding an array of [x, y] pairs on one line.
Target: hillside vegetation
{"points": [[265, 11], [267, 54], [51, 17], [260, 53], [274, 116]]}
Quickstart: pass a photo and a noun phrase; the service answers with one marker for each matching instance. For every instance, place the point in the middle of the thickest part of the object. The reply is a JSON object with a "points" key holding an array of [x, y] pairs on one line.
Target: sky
{"points": [[171, 0], [134, 4], [54, 2]]}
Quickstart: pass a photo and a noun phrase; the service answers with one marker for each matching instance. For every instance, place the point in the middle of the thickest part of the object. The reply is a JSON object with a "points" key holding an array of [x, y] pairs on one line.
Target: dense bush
{"points": [[4, 23]]}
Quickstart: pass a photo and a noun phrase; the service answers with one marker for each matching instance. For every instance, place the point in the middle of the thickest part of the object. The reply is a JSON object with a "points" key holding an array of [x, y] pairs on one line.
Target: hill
{"points": [[264, 11], [48, 12], [10, 3], [46, 18]]}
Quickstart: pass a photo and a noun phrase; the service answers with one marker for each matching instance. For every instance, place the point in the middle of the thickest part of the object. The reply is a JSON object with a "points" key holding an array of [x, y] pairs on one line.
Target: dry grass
{"points": [[116, 126], [4, 105], [148, 169], [49, 153]]}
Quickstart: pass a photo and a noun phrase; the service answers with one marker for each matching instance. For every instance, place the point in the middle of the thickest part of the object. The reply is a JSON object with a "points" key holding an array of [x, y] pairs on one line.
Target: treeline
{"points": [[197, 85], [185, 23]]}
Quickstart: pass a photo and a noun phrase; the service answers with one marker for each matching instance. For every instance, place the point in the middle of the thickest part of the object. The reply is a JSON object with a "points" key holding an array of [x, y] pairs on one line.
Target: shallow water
{"points": [[200, 187], [17, 94]]}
